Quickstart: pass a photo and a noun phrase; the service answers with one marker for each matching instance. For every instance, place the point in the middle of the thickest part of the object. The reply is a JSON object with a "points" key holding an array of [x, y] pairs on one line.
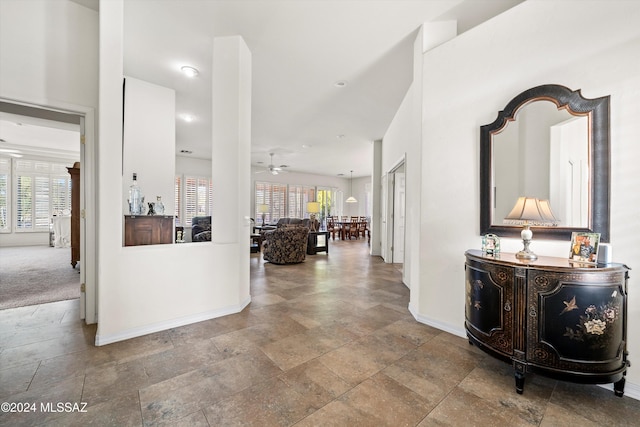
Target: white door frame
{"points": [[88, 226]]}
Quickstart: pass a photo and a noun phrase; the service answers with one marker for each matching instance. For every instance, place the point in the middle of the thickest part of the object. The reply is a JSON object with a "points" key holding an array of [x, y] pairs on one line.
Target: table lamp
{"points": [[313, 208], [526, 211], [263, 209]]}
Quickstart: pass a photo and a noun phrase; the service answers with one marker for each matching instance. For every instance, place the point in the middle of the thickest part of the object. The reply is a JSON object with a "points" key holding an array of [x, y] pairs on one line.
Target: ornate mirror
{"points": [[553, 144]]}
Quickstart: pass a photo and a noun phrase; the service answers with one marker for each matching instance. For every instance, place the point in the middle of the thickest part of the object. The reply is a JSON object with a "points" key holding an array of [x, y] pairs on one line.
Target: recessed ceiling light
{"points": [[187, 118], [189, 71], [340, 83]]}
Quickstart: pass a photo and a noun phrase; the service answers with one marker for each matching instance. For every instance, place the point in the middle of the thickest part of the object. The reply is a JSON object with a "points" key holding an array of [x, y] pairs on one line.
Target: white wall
{"points": [[469, 79], [149, 143], [49, 52], [144, 289], [193, 166], [404, 139]]}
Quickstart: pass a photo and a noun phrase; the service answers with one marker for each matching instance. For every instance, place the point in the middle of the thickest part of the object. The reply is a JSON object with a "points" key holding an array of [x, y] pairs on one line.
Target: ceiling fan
{"points": [[273, 169]]}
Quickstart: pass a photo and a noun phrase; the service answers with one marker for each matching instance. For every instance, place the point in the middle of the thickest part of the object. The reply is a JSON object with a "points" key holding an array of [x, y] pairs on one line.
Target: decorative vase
{"points": [[159, 206]]}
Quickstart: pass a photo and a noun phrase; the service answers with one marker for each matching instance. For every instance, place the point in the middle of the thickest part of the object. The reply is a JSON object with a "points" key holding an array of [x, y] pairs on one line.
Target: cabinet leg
{"points": [[519, 382], [618, 387]]}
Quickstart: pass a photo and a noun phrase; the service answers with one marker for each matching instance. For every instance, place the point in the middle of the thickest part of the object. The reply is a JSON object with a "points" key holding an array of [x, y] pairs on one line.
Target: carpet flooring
{"points": [[35, 275]]}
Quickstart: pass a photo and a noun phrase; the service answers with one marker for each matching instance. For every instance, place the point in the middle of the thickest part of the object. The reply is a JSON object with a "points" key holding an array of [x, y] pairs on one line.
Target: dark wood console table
{"points": [[318, 242], [148, 230], [560, 319]]}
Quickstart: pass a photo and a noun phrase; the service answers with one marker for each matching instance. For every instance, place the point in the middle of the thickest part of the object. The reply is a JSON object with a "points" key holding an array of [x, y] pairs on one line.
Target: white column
{"points": [[231, 146]]}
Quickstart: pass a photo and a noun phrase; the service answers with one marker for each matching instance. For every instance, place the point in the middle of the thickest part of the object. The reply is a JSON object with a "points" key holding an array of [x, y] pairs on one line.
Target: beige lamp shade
{"points": [[313, 207], [263, 208], [548, 213], [530, 209]]}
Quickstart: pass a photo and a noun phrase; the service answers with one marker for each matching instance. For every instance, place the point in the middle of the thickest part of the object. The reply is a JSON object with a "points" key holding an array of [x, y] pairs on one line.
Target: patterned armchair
{"points": [[286, 245]]}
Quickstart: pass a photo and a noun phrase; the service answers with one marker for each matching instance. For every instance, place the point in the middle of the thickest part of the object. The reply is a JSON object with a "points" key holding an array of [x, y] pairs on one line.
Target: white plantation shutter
{"points": [[60, 194], [210, 204], [42, 190], [278, 201], [41, 196], [5, 195], [190, 199], [203, 196], [295, 201], [24, 194], [178, 196], [273, 195], [284, 201], [198, 195]]}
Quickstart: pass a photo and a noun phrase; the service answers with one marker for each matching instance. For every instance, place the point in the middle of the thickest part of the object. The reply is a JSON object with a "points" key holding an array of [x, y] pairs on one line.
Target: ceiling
{"points": [[300, 49]]}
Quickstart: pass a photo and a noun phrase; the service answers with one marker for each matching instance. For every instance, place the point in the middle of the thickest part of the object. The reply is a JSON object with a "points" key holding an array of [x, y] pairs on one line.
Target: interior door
{"points": [[398, 217], [568, 173]]}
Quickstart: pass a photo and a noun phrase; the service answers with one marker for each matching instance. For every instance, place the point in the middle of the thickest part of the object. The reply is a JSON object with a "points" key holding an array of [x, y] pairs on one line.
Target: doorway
{"points": [[35, 123], [394, 205]]}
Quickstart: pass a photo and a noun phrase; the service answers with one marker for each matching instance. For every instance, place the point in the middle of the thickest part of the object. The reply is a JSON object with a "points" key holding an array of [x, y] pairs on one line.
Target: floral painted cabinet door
{"points": [[575, 319]]}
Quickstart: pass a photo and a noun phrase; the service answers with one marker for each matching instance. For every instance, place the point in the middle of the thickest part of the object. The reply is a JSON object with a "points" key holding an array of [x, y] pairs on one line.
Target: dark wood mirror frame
{"points": [[599, 161]]}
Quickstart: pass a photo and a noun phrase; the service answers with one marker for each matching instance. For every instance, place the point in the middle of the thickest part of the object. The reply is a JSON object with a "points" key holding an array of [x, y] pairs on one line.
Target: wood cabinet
{"points": [[148, 230], [553, 317], [75, 213]]}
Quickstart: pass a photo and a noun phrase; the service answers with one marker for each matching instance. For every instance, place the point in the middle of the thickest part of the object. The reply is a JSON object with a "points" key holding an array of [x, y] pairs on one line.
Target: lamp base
{"points": [[527, 255]]}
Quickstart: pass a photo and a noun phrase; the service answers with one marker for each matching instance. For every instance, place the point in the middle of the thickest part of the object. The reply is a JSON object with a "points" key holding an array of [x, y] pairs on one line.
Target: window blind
{"points": [[5, 195]]}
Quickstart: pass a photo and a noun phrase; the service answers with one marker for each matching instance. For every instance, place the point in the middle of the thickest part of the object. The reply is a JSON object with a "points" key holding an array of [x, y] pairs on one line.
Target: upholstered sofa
{"points": [[201, 229], [286, 245]]}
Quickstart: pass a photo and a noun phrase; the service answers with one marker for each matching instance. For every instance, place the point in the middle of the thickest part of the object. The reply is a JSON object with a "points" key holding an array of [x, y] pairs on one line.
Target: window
{"points": [[178, 197], [41, 189], [274, 196], [193, 197], [284, 201], [5, 195], [299, 195]]}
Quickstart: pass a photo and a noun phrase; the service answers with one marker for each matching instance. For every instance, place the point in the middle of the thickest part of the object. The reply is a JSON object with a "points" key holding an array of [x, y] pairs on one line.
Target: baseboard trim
{"points": [[631, 390], [168, 324], [437, 324]]}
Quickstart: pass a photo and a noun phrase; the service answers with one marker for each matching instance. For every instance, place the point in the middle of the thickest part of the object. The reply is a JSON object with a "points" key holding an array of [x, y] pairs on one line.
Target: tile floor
{"points": [[325, 343]]}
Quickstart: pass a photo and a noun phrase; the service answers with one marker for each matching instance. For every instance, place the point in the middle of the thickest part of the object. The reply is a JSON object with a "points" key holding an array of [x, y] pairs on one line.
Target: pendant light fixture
{"points": [[351, 199]]}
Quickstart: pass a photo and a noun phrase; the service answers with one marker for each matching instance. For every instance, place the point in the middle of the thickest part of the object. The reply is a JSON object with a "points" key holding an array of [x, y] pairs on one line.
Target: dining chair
{"points": [[362, 226], [332, 227], [353, 228]]}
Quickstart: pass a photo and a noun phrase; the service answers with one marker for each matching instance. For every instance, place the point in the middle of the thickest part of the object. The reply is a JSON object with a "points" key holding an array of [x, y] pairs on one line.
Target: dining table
{"points": [[343, 223]]}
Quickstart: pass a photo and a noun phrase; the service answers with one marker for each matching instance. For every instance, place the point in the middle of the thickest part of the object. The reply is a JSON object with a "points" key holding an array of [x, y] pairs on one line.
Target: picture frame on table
{"points": [[491, 244], [584, 247]]}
